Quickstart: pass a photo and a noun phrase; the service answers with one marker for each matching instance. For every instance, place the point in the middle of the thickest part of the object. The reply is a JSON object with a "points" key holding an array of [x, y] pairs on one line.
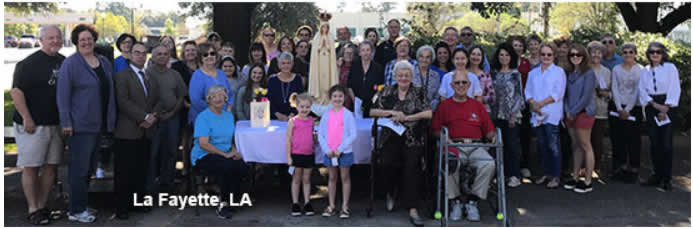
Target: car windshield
{"points": [[27, 36]]}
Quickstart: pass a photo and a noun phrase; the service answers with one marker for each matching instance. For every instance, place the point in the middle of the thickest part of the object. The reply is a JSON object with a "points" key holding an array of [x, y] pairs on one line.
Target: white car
{"points": [[28, 41]]}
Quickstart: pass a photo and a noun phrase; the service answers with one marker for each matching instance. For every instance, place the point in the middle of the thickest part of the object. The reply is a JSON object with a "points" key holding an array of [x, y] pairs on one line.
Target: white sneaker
{"points": [[472, 211], [526, 173], [389, 202], [514, 182], [456, 213], [99, 173], [83, 217]]}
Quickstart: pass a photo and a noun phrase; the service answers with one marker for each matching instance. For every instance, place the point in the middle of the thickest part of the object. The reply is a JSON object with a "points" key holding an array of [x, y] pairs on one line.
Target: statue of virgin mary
{"points": [[323, 66]]}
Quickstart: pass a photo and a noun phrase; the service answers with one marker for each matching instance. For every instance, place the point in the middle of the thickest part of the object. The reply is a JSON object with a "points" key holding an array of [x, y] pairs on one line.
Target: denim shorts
{"points": [[345, 160]]}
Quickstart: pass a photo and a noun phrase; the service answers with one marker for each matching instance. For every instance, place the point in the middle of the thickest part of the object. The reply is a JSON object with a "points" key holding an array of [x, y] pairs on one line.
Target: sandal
{"points": [[38, 217], [329, 211], [344, 214]]}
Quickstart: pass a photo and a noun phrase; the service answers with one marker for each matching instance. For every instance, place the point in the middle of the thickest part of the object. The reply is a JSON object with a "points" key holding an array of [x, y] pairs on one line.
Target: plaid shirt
{"points": [[389, 78]]}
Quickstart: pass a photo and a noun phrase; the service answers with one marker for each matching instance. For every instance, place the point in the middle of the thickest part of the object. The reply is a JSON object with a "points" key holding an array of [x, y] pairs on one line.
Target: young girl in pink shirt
{"points": [[336, 134], [299, 153]]}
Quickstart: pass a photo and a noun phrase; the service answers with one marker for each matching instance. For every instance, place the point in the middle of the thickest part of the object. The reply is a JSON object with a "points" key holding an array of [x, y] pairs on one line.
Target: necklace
{"points": [[285, 90]]}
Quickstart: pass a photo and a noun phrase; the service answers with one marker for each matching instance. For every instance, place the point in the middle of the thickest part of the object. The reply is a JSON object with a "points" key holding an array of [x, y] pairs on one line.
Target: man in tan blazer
{"points": [[137, 97]]}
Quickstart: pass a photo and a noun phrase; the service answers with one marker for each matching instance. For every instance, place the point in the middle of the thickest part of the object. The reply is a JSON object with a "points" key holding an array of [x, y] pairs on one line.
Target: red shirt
{"points": [[524, 69], [466, 119]]}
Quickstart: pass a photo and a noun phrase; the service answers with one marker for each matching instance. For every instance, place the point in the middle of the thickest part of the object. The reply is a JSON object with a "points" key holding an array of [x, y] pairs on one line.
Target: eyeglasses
{"points": [[608, 42], [575, 55], [628, 52], [547, 54], [304, 34], [460, 82], [268, 34], [205, 55], [466, 34], [658, 52]]}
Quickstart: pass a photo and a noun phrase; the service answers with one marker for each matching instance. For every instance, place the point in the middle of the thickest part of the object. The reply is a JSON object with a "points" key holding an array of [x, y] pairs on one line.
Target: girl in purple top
{"points": [[299, 153], [336, 134]]}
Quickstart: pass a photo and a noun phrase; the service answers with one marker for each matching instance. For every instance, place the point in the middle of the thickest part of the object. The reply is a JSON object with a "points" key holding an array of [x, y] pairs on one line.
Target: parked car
{"points": [[28, 41], [10, 42]]}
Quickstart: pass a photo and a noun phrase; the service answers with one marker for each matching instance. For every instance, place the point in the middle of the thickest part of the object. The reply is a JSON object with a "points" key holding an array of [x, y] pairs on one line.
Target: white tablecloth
{"points": [[268, 144]]}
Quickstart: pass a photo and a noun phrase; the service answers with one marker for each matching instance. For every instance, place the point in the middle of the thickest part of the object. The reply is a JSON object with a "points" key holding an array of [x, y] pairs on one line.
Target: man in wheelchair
{"points": [[467, 122]]}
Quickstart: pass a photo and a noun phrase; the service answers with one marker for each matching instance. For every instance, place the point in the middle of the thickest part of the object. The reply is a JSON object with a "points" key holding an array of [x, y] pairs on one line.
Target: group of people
{"points": [[144, 109]]}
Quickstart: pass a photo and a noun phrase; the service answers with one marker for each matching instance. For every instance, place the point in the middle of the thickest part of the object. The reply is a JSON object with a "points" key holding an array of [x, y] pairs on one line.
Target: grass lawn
{"points": [[10, 147]]}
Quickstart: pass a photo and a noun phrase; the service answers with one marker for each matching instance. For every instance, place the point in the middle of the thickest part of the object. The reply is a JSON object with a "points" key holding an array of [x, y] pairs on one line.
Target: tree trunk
{"points": [[546, 7], [237, 30]]}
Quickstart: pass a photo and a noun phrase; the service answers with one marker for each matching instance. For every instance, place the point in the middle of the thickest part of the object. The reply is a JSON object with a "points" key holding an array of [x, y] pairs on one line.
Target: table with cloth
{"points": [[268, 144]]}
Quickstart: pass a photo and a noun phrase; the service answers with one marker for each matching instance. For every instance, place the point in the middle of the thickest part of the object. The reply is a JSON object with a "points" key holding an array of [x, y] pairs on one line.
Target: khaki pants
{"points": [[484, 166]]}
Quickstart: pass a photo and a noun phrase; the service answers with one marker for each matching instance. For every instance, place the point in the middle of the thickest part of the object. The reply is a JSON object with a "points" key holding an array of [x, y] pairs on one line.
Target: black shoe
{"points": [[652, 181], [416, 221], [664, 186], [570, 184], [582, 187], [295, 210], [122, 215], [308, 210]]}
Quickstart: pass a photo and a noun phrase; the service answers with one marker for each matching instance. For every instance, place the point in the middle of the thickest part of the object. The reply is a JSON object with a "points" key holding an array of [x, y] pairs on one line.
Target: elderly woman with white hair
{"points": [[401, 154], [214, 150], [425, 77], [281, 85]]}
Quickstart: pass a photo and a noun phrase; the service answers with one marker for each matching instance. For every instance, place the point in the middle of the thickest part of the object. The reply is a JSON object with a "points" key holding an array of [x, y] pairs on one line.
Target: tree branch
{"points": [[629, 15], [673, 19]]}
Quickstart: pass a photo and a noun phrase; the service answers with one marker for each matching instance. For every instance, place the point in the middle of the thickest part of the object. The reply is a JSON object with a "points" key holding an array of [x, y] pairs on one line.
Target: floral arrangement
{"points": [[260, 95]]}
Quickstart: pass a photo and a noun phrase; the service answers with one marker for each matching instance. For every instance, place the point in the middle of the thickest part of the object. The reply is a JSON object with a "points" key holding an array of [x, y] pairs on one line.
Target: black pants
{"points": [[625, 138], [597, 140], [401, 167], [131, 162], [661, 140], [567, 156], [526, 137], [229, 173]]}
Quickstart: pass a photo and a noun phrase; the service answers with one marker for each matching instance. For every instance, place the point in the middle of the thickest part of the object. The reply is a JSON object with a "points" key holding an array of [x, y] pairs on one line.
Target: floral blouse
{"points": [[414, 102], [488, 95], [509, 98]]}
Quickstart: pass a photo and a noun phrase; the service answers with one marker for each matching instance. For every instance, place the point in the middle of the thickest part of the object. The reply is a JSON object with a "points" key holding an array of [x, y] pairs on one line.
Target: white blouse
{"points": [[624, 86], [541, 85], [662, 79]]}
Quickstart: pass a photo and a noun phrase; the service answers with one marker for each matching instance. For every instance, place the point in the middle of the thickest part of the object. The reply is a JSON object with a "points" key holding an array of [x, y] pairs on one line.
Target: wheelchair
{"points": [[444, 157]]}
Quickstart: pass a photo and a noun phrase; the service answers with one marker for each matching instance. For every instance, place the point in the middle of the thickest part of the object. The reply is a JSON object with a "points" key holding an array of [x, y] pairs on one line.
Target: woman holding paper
{"points": [[625, 116], [544, 92], [407, 105], [660, 89], [601, 100]]}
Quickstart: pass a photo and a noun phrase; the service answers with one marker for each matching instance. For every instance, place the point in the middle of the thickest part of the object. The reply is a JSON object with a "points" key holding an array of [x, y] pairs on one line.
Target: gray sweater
{"points": [[579, 93]]}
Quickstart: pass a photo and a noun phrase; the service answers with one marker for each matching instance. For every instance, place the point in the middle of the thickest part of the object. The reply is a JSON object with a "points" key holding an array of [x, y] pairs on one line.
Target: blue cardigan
{"points": [[348, 133], [79, 100]]}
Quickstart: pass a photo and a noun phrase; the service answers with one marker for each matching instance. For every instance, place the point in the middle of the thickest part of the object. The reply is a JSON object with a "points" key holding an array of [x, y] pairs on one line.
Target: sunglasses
{"points": [[205, 55], [466, 34], [460, 82], [547, 54], [628, 52], [608, 42], [268, 34], [574, 55], [658, 52]]}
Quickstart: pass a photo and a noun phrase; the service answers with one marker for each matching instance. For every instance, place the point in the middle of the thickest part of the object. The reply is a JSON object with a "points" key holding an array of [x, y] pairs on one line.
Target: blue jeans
{"points": [[549, 145], [512, 150], [162, 161], [82, 147]]}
